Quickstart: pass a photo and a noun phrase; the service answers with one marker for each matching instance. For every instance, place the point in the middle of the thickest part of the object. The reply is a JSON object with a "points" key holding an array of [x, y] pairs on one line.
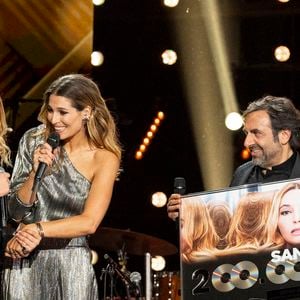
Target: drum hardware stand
{"points": [[122, 258], [108, 271], [114, 269], [135, 243]]}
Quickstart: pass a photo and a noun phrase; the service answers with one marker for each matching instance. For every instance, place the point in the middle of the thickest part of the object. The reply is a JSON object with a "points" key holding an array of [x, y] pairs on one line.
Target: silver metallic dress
{"points": [[58, 268]]}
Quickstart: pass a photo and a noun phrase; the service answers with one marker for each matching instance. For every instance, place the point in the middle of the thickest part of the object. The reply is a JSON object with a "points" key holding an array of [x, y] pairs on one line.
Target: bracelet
{"points": [[40, 229]]}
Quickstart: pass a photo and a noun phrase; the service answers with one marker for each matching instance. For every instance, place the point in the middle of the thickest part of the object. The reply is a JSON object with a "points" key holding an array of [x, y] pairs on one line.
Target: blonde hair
{"points": [[4, 149], [198, 230], [249, 220], [221, 218], [83, 92]]}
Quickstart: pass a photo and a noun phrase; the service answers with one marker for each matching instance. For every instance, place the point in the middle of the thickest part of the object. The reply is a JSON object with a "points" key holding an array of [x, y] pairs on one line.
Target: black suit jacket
{"points": [[242, 173]]}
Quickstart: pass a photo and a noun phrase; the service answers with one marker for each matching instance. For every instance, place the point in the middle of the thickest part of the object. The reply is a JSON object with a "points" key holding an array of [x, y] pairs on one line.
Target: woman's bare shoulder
{"points": [[104, 157]]}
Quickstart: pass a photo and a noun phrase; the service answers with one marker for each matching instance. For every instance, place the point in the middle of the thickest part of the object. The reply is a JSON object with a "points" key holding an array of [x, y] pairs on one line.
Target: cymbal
{"points": [[112, 239]]}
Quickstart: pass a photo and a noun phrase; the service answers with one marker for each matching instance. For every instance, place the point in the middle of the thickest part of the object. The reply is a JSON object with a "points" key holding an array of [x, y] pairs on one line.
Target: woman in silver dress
{"points": [[49, 257]]}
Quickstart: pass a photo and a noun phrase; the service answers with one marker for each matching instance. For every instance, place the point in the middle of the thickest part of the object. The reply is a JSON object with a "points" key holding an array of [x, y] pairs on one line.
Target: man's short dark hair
{"points": [[283, 115]]}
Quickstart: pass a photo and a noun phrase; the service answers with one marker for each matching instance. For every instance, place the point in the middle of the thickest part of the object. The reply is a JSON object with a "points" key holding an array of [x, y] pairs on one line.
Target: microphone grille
{"points": [[53, 140], [179, 185]]}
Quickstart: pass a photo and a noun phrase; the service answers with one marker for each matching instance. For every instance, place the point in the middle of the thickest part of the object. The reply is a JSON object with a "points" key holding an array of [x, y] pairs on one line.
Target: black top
{"points": [[277, 173]]}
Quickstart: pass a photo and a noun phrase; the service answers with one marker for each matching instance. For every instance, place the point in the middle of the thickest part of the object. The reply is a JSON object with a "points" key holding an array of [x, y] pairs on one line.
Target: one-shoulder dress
{"points": [[58, 268]]}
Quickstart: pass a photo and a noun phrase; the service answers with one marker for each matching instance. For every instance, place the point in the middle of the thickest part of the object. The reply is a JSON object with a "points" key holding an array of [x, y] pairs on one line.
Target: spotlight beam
{"points": [[218, 47], [209, 90]]}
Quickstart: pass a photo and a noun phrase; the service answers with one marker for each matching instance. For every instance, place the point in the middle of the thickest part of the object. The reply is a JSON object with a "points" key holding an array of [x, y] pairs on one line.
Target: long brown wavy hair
{"points": [[82, 91]]}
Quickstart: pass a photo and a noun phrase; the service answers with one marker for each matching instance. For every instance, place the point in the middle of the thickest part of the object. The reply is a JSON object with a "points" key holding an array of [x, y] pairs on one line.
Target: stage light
{"points": [[157, 121], [160, 115], [169, 57], [245, 154], [150, 134], [153, 128], [159, 199], [283, 1], [146, 141], [209, 85], [142, 148], [171, 3], [97, 58], [138, 155], [158, 263], [98, 2], [234, 121], [282, 53]]}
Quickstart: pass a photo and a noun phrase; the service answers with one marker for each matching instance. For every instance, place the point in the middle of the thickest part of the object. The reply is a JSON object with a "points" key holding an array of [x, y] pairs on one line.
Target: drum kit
{"points": [[118, 282]]}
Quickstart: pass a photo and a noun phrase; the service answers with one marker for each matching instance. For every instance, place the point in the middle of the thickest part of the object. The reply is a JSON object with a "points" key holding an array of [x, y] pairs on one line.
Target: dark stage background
{"points": [[132, 34]]}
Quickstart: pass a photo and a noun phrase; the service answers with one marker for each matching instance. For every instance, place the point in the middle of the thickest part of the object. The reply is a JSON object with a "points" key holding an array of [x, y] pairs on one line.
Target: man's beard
{"points": [[265, 160], [259, 161]]}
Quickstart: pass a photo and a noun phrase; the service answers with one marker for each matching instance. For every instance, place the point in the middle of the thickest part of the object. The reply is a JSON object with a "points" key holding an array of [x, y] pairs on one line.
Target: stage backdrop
{"points": [[241, 243]]}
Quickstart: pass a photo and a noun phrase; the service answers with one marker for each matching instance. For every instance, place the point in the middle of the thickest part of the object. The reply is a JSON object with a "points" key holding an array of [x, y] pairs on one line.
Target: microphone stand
{"points": [[104, 273]]}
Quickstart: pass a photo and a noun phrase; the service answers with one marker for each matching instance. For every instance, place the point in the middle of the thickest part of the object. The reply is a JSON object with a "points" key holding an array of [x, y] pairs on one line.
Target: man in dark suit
{"points": [[272, 129]]}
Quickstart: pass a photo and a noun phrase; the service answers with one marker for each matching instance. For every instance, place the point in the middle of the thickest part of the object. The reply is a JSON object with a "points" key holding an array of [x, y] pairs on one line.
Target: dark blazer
{"points": [[242, 173]]}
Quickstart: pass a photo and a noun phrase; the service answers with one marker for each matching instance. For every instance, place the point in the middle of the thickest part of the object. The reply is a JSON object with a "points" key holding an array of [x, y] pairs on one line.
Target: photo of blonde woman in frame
{"points": [[211, 227], [283, 224], [256, 222]]}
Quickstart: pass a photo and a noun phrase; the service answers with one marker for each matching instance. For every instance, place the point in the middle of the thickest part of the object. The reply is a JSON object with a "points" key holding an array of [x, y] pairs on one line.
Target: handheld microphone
{"points": [[179, 188], [3, 207], [53, 141], [179, 185]]}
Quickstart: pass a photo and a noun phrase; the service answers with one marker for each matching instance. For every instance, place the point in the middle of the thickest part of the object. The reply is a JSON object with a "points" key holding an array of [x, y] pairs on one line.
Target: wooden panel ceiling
{"points": [[37, 35], [42, 39]]}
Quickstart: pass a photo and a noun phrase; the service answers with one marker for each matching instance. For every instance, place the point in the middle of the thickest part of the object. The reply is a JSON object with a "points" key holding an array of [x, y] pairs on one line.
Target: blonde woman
{"points": [[283, 225], [49, 256], [4, 181], [4, 153]]}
